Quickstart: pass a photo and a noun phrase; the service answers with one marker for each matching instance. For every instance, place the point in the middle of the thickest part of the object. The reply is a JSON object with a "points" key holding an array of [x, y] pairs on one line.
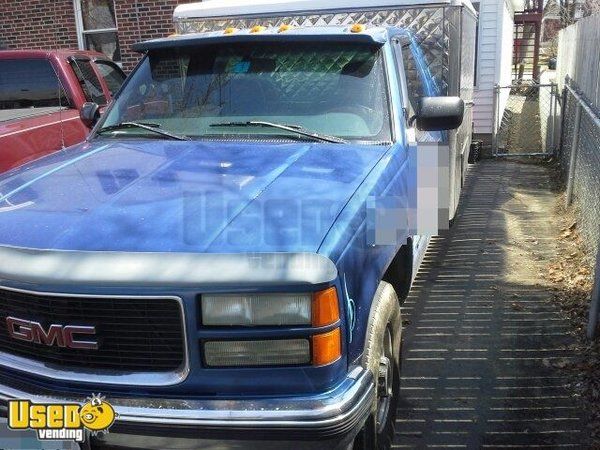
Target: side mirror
{"points": [[440, 113], [89, 114]]}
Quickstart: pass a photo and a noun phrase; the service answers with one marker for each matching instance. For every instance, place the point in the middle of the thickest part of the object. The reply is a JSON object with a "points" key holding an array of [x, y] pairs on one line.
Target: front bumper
{"points": [[324, 421]]}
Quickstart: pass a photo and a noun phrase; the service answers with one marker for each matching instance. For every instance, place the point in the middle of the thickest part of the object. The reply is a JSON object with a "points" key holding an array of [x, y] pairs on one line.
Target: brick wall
{"points": [[51, 24], [37, 24], [141, 20]]}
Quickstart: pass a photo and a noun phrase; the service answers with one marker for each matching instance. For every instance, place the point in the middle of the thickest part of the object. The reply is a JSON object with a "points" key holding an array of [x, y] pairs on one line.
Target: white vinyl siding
{"points": [[494, 60], [504, 69]]}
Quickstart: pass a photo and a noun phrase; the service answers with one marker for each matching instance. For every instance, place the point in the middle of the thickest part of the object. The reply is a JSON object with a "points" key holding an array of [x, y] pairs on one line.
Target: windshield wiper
{"points": [[154, 127], [291, 128]]}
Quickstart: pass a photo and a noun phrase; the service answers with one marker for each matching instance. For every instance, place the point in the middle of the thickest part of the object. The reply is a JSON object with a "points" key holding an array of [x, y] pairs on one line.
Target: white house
{"points": [[494, 60]]}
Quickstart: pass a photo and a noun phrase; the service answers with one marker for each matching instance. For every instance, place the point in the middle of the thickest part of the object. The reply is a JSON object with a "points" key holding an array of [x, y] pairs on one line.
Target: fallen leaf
{"points": [[517, 306]]}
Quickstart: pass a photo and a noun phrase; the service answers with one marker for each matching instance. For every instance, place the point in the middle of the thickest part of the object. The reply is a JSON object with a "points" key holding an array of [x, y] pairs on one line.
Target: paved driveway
{"points": [[483, 345]]}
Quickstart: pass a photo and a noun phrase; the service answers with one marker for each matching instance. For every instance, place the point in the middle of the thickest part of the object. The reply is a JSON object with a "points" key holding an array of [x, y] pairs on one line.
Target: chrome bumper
{"points": [[328, 420]]}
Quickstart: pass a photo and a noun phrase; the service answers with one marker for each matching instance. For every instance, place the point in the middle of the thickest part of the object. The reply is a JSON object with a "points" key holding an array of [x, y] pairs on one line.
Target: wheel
{"points": [[382, 358]]}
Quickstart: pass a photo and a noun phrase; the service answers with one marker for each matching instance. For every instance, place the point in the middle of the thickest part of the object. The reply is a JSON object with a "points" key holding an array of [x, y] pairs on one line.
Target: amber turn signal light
{"points": [[325, 308], [327, 347]]}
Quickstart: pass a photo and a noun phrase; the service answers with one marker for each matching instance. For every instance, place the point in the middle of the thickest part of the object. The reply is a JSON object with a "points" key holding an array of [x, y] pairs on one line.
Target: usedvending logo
{"points": [[62, 421]]}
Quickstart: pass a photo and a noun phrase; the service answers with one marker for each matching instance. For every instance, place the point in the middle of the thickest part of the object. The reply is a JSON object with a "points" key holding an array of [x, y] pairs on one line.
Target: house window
{"points": [[97, 27]]}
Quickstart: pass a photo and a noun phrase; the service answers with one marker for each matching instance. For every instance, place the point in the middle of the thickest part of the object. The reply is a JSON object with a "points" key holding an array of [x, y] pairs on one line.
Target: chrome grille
{"points": [[134, 334]]}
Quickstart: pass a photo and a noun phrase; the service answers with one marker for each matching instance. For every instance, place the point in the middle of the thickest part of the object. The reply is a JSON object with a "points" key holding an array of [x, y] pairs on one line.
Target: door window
{"points": [[89, 82], [29, 83], [414, 79], [112, 74]]}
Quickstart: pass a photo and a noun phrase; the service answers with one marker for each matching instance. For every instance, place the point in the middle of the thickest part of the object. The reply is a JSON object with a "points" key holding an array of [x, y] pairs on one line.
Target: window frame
{"points": [[82, 32], [398, 52]]}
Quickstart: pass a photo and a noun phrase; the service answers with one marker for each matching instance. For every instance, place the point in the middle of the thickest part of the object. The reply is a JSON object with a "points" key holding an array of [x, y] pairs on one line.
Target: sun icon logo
{"points": [[97, 414]]}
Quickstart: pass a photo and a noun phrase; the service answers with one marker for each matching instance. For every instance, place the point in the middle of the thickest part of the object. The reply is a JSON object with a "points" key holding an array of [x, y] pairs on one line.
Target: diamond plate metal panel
{"points": [[431, 27], [468, 43], [302, 76], [466, 72]]}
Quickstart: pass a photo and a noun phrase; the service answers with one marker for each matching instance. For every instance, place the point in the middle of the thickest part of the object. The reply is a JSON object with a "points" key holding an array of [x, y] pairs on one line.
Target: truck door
{"points": [[32, 105]]}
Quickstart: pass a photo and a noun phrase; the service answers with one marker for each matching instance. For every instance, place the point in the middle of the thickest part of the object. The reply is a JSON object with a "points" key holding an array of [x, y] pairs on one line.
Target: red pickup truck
{"points": [[41, 96]]}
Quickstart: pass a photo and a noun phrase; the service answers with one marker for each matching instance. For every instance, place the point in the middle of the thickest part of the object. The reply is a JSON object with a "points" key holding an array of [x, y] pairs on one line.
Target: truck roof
{"points": [[257, 8], [370, 35], [38, 54]]}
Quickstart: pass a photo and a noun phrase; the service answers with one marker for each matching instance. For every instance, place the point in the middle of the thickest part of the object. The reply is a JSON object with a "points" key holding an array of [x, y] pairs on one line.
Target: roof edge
{"points": [[241, 8], [198, 39]]}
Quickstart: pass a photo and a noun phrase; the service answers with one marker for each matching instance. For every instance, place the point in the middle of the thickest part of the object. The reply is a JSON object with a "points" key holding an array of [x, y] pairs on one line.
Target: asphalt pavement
{"points": [[484, 346]]}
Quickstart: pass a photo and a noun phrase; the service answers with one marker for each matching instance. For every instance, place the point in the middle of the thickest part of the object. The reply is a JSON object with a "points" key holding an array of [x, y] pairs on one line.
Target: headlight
{"points": [[315, 310], [256, 309], [278, 352]]}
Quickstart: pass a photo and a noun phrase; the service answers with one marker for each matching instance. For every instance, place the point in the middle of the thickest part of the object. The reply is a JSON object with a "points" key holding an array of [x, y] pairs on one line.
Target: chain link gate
{"points": [[526, 120]]}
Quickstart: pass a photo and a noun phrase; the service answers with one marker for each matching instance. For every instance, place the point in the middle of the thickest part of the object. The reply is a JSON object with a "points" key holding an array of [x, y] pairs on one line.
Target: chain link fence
{"points": [[525, 119], [579, 158]]}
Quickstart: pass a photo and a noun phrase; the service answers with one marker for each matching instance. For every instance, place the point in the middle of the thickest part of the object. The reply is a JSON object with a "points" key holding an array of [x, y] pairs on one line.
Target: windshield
{"points": [[328, 88]]}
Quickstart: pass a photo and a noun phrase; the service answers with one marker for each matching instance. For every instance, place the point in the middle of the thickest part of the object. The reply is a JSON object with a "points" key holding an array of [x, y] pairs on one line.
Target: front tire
{"points": [[382, 358]]}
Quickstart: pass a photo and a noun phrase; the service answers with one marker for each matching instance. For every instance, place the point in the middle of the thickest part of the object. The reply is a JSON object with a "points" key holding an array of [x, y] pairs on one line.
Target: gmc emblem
{"points": [[59, 335]]}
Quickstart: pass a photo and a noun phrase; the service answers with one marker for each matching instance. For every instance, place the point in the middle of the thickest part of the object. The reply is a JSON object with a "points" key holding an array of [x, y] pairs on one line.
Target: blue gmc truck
{"points": [[225, 257]]}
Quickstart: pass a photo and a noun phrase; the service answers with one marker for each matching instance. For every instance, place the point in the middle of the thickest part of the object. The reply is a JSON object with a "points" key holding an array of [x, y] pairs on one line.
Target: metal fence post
{"points": [[595, 302], [495, 120], [557, 119], [573, 156], [551, 116], [563, 114], [554, 108]]}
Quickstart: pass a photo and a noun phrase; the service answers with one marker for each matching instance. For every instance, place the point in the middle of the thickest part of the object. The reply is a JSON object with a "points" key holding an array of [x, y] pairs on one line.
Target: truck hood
{"points": [[157, 196]]}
